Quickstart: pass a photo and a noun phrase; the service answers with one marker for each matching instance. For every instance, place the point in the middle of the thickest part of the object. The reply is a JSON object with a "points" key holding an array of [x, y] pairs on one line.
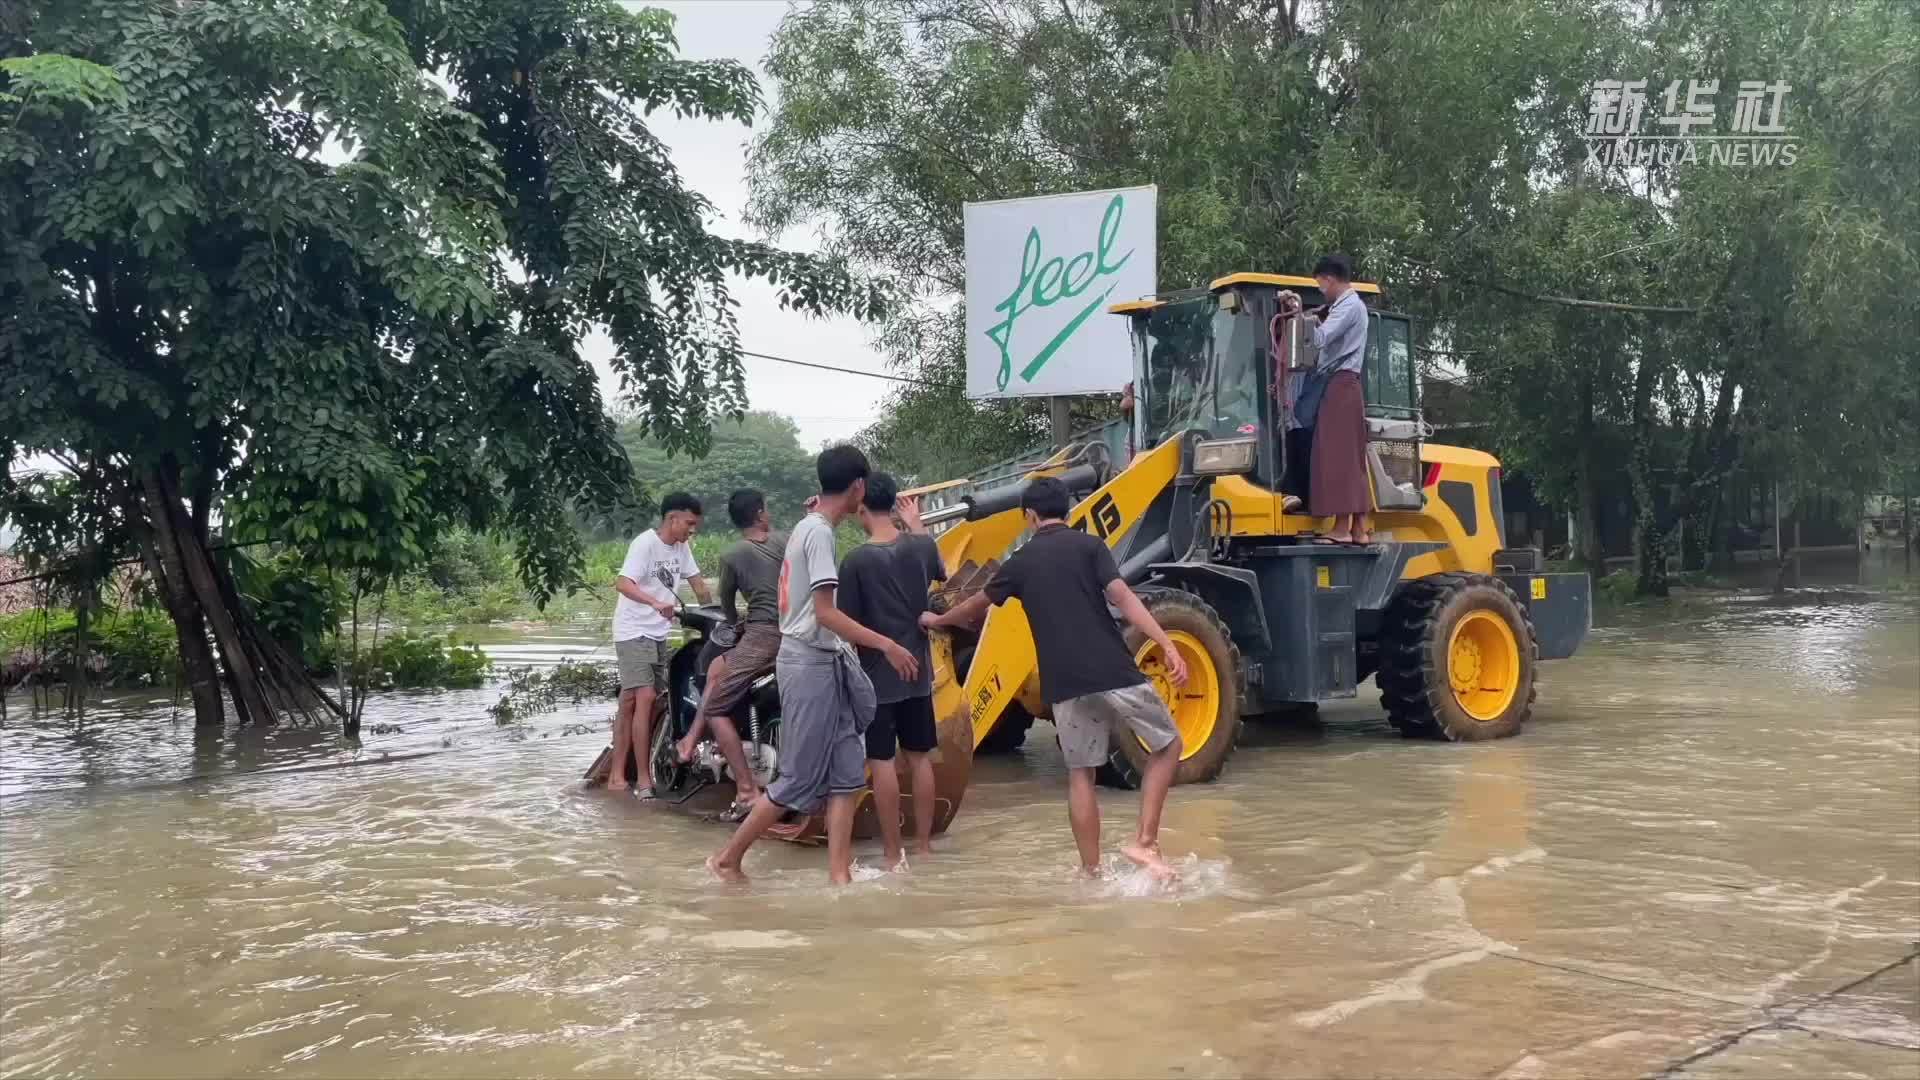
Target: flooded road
{"points": [[1701, 859]]}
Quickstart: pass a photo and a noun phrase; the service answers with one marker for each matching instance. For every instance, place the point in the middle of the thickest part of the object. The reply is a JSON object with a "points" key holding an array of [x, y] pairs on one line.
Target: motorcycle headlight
{"points": [[1217, 457]]}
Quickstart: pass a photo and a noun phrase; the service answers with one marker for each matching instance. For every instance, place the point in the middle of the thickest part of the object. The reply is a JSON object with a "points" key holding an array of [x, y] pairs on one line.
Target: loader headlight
{"points": [[1217, 457]]}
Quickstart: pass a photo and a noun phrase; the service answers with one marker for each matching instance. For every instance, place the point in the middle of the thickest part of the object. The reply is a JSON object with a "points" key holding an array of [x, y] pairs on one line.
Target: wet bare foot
{"points": [[840, 877], [923, 851], [1091, 873], [895, 860], [725, 873], [899, 865], [616, 783], [1147, 857]]}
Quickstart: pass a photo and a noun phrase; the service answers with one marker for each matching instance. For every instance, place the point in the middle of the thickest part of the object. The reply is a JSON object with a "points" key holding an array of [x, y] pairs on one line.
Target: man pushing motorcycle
{"points": [[826, 700]]}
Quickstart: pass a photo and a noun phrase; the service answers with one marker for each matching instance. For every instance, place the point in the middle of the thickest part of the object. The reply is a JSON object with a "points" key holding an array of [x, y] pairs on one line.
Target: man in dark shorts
{"points": [[745, 651], [1065, 579], [883, 585], [826, 701]]}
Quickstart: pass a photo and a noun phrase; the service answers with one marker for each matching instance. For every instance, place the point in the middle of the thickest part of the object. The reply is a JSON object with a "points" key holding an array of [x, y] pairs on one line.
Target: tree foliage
{"points": [[318, 271], [1441, 144], [761, 450]]}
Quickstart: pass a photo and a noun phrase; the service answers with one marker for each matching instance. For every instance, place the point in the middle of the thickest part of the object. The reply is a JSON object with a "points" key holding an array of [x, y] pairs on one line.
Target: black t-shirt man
{"points": [[1064, 580], [883, 586], [1060, 576]]}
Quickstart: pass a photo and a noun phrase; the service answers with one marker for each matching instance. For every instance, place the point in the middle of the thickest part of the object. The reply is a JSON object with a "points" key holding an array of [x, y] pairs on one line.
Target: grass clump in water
{"points": [[532, 692]]}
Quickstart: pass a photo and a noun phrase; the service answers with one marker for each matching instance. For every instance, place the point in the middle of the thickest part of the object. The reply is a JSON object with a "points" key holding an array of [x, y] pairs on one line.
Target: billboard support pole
{"points": [[1062, 418]]}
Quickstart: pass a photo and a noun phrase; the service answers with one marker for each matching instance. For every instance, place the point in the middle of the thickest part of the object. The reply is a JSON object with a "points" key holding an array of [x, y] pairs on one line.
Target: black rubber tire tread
{"points": [[1009, 734], [1413, 687], [1179, 609]]}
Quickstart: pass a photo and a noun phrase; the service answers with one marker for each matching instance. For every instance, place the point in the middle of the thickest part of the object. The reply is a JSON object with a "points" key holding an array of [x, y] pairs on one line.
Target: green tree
{"points": [[1407, 134], [1690, 318], [760, 450], [317, 270]]}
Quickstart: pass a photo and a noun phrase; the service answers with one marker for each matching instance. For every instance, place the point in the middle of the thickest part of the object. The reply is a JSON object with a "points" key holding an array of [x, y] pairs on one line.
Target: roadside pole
{"points": [[1776, 522], [1062, 417]]}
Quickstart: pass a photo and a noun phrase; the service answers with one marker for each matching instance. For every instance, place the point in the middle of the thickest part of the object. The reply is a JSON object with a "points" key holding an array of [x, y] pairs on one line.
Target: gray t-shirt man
{"points": [[752, 568], [809, 564]]}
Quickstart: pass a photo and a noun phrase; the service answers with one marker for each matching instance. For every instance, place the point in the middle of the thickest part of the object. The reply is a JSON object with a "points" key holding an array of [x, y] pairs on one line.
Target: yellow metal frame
{"points": [[1284, 281]]}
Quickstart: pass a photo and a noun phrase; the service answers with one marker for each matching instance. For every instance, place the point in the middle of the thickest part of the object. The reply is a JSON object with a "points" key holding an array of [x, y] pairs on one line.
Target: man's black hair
{"points": [[744, 507], [1336, 266], [680, 500], [1047, 498], [840, 467], [882, 491]]}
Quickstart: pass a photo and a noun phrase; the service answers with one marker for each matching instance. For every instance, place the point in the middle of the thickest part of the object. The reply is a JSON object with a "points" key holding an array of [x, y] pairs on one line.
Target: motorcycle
{"points": [[705, 783], [704, 786]]}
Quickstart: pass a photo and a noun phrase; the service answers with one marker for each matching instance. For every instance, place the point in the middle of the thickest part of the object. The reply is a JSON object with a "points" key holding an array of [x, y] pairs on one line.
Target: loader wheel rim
{"points": [[1195, 706], [1483, 664]]}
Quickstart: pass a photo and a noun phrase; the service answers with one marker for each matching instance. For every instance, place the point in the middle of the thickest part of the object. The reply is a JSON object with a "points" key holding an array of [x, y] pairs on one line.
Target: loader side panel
{"points": [[1461, 513]]}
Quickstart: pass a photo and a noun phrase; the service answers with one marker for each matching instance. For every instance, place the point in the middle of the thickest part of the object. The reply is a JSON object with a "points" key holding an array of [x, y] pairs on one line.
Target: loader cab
{"points": [[1204, 363]]}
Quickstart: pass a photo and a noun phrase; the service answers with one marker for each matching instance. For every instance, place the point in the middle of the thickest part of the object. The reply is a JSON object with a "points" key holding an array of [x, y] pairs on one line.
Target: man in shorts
{"points": [[1064, 579], [735, 660], [657, 562], [883, 585], [826, 701]]}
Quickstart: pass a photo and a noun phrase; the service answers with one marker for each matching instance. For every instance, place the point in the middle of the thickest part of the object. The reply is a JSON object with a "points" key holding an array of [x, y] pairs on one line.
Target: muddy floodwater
{"points": [[1701, 859]]}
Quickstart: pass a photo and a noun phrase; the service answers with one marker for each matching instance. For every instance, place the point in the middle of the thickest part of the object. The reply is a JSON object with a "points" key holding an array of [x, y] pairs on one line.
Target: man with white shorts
{"points": [[1064, 579]]}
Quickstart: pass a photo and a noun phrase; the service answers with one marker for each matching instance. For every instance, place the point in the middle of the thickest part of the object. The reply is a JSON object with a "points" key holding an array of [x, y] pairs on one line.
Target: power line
{"points": [[847, 370]]}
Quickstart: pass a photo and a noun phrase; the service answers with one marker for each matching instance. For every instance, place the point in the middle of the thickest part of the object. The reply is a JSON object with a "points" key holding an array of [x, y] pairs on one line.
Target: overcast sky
{"points": [[712, 157]]}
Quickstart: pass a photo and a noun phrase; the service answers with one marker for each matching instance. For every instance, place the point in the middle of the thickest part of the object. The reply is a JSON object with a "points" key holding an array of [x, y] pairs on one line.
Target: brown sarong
{"points": [[1339, 483], [751, 657]]}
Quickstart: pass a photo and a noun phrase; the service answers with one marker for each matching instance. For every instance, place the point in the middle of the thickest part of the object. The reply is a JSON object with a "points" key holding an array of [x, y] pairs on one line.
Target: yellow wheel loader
{"points": [[1449, 620]]}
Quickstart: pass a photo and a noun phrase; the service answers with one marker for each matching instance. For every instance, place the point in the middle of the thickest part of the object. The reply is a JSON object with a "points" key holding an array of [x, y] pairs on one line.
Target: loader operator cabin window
{"points": [[1388, 381], [1195, 381]]}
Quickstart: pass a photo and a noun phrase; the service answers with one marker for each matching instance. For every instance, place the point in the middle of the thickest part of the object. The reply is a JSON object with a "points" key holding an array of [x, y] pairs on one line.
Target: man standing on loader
{"points": [[1329, 413], [1064, 579]]}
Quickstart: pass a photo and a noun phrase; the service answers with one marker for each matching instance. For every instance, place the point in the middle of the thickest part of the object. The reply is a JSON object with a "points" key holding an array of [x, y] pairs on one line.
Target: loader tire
{"points": [[1206, 711], [1457, 659]]}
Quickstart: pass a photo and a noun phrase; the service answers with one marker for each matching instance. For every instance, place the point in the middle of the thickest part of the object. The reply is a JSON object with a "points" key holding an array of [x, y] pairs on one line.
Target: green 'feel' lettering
{"points": [[1043, 284]]}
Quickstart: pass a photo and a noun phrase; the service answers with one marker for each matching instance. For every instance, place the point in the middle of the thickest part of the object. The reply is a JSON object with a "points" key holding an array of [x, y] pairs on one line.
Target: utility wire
{"points": [[847, 370]]}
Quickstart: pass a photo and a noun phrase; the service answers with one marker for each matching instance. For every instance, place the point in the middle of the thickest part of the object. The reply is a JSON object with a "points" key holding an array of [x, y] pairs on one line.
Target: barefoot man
{"points": [[657, 562], [749, 570], [826, 701], [1065, 579], [883, 584]]}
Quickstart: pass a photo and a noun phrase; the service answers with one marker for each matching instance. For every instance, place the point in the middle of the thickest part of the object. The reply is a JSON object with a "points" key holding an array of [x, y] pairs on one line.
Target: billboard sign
{"points": [[1040, 274]]}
